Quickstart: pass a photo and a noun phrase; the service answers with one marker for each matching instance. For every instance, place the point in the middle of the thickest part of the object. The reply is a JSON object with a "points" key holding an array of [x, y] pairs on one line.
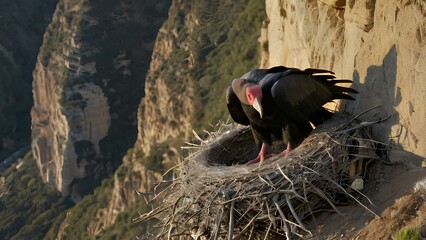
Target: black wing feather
{"points": [[302, 92], [316, 70], [235, 108]]}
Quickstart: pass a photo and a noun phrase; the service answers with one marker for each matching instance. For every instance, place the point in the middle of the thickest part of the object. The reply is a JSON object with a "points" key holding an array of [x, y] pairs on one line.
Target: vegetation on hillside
{"points": [[125, 228], [231, 50], [30, 206], [79, 216], [220, 47], [31, 209]]}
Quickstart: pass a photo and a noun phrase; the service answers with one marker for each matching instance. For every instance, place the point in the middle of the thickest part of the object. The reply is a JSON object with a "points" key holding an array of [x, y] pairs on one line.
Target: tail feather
{"points": [[325, 78], [342, 96], [343, 89], [338, 92], [340, 81], [329, 79], [316, 70]]}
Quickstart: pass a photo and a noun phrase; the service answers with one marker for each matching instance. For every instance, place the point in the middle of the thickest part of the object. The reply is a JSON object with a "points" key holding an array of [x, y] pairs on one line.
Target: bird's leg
{"points": [[287, 150], [262, 155]]}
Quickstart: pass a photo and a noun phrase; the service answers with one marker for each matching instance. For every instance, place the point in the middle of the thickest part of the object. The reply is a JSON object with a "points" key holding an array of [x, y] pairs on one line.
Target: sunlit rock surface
{"points": [[381, 45]]}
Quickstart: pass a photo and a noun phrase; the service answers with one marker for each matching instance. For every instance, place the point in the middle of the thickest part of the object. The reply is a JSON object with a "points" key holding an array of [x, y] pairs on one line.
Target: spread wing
{"points": [[234, 107]]}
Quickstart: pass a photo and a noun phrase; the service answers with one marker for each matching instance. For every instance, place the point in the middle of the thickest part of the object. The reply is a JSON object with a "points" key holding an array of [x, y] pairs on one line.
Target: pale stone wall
{"points": [[381, 45]]}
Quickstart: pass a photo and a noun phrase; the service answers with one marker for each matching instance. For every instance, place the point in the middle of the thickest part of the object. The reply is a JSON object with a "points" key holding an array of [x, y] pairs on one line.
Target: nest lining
{"points": [[211, 200]]}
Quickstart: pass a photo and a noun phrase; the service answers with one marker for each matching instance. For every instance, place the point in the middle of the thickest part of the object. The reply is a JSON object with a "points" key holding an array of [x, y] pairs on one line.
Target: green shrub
{"points": [[408, 234]]}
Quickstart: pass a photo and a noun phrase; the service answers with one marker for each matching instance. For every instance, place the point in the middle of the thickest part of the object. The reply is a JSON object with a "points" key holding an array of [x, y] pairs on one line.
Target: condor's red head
{"points": [[248, 93]]}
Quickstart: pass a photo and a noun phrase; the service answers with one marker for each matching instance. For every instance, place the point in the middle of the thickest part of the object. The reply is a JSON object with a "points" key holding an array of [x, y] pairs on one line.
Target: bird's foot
{"points": [[259, 159], [253, 161], [287, 150], [262, 155]]}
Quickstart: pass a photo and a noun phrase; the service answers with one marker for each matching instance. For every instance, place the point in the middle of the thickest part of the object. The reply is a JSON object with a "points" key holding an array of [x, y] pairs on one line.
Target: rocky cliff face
{"points": [[163, 115], [166, 113], [22, 24], [88, 81], [381, 45]]}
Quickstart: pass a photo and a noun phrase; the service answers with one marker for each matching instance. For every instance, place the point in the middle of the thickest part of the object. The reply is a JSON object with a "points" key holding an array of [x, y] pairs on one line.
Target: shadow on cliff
{"points": [[22, 25], [379, 89]]}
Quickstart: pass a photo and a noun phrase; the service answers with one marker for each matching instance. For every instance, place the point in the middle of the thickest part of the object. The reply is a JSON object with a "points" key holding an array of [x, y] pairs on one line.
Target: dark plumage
{"points": [[279, 103]]}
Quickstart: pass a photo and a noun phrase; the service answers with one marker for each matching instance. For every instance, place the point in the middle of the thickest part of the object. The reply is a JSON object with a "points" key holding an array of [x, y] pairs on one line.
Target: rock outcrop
{"points": [[381, 45], [88, 82], [22, 25], [165, 113]]}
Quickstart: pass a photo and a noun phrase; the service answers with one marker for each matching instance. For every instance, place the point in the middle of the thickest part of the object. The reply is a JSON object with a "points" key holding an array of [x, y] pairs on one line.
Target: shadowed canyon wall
{"points": [[22, 25], [379, 44], [88, 81]]}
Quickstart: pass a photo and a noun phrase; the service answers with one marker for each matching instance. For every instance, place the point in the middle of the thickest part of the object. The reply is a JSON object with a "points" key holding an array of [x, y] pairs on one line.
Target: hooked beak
{"points": [[258, 107]]}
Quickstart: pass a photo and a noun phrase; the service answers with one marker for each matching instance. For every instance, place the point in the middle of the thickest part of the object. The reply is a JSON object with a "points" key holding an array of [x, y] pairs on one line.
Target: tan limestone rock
{"points": [[379, 44]]}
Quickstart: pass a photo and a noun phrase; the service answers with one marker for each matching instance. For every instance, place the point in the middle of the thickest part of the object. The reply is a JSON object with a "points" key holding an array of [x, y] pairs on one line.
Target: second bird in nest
{"points": [[280, 103]]}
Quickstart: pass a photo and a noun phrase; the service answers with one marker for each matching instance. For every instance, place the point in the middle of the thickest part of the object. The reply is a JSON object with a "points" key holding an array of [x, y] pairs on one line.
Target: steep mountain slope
{"points": [[22, 24]]}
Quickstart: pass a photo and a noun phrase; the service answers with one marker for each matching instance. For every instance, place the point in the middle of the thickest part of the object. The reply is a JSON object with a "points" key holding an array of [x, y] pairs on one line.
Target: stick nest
{"points": [[215, 197]]}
